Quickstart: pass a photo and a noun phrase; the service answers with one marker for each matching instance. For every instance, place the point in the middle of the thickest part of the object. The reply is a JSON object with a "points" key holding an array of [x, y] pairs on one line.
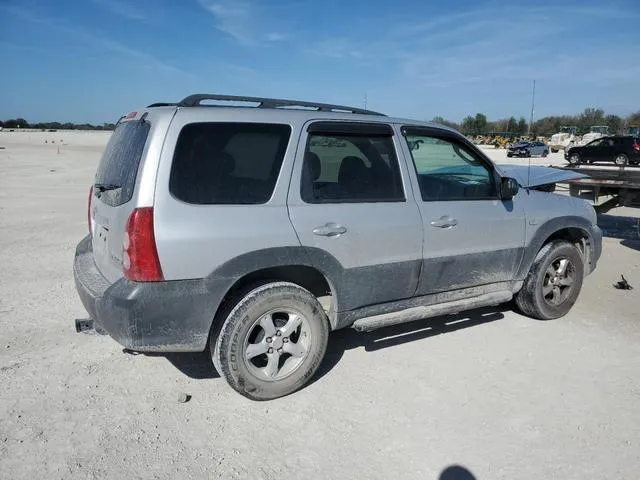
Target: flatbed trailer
{"points": [[621, 184]]}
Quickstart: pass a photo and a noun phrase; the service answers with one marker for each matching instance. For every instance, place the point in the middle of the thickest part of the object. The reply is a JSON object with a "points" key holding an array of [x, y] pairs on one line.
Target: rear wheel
{"points": [[574, 159], [272, 342], [621, 160], [554, 282], [545, 153]]}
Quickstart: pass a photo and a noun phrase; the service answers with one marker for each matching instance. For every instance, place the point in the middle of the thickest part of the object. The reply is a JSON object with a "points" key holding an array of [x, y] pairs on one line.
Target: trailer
{"points": [[621, 185]]}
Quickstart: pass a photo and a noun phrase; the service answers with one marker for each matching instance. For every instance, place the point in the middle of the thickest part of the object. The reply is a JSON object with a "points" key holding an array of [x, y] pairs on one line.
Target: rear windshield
{"points": [[228, 163], [119, 165]]}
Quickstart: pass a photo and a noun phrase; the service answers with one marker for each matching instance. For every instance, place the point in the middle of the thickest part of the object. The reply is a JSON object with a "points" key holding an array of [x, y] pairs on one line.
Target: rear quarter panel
{"points": [[115, 218], [193, 240]]}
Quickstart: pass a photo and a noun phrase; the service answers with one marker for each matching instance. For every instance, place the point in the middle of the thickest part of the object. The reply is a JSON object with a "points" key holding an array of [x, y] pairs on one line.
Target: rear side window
{"points": [[118, 167], [351, 167], [228, 163]]}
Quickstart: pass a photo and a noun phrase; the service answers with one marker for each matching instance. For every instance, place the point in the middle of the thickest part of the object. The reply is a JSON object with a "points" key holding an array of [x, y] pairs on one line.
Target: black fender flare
{"points": [[545, 231]]}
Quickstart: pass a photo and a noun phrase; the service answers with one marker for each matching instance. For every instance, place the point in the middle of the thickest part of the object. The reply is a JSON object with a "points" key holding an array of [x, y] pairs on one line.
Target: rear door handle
{"points": [[444, 222], [330, 230]]}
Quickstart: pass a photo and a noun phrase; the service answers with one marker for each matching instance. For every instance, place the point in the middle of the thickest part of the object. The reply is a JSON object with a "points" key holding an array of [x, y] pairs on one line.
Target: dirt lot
{"points": [[501, 394]]}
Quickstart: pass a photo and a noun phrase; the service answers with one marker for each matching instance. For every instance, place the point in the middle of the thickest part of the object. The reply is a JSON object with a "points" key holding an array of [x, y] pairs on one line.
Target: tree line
{"points": [[22, 123], [470, 125], [547, 126]]}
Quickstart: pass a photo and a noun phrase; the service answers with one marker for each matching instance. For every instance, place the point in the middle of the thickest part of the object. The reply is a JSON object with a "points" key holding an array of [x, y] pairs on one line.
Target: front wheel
{"points": [[544, 153], [554, 281], [621, 160], [272, 342], [574, 159]]}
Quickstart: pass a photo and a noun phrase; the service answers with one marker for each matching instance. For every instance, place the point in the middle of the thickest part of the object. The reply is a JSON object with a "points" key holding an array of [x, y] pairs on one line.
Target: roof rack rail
{"points": [[196, 100], [161, 104]]}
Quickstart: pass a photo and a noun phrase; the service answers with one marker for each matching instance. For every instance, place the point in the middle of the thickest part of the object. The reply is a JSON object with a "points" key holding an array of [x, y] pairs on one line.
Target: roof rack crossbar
{"points": [[196, 99]]}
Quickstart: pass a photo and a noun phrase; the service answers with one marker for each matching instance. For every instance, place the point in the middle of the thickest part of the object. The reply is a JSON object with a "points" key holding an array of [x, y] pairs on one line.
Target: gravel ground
{"points": [[503, 395]]}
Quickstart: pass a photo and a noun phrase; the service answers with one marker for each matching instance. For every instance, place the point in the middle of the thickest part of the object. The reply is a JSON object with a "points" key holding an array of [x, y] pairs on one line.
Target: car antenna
{"points": [[533, 101]]}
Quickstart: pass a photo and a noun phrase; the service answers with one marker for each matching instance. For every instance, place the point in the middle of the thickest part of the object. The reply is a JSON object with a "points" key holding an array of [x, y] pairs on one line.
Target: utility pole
{"points": [[365, 101], [533, 101]]}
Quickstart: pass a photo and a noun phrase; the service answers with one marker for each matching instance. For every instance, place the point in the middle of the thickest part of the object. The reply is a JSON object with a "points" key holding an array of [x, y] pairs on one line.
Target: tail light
{"points": [[636, 147], [140, 260], [89, 208]]}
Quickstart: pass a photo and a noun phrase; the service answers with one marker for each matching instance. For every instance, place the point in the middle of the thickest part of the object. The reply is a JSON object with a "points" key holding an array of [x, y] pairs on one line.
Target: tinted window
{"points": [[351, 168], [120, 161], [596, 143], [228, 163], [449, 170]]}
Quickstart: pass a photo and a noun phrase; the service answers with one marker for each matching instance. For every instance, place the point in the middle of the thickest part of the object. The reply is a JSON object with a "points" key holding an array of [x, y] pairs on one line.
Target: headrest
{"points": [[351, 168], [313, 165]]}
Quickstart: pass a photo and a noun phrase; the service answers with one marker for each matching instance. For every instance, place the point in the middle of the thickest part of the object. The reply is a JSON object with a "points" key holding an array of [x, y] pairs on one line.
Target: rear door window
{"points": [[118, 167], [228, 163], [347, 163]]}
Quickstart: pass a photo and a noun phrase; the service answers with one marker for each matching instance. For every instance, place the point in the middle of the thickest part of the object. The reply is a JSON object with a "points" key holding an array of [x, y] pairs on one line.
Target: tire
{"points": [[554, 150], [545, 153], [621, 160], [538, 297], [276, 318], [574, 159], [509, 155]]}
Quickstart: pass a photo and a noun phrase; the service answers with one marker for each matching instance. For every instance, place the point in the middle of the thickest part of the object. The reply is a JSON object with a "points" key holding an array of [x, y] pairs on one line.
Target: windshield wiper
{"points": [[105, 187]]}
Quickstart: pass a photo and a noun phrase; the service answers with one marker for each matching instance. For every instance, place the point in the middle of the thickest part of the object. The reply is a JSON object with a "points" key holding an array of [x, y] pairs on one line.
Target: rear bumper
{"points": [[172, 316]]}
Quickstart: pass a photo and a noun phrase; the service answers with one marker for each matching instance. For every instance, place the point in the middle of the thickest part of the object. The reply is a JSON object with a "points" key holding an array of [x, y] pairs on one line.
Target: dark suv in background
{"points": [[618, 149]]}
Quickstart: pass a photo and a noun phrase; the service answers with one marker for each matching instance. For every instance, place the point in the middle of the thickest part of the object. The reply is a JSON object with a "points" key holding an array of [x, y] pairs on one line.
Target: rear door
{"points": [[351, 201], [113, 192], [471, 237]]}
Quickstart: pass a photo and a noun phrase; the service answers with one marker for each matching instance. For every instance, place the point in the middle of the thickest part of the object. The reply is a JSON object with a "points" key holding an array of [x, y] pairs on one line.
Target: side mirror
{"points": [[508, 188]]}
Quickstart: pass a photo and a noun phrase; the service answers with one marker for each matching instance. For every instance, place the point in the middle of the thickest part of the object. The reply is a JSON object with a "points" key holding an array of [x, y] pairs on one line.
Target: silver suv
{"points": [[254, 229]]}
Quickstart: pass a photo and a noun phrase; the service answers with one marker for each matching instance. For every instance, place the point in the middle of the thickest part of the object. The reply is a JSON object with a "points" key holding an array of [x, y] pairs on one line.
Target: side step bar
{"points": [[427, 311]]}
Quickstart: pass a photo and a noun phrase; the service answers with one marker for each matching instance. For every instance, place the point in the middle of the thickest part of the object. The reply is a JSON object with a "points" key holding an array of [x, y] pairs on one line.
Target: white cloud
{"points": [[249, 24], [275, 37], [92, 38]]}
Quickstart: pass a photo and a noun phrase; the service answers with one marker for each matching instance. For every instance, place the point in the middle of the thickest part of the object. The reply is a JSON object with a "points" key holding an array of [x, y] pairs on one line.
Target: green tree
{"points": [[522, 126], [615, 124], [468, 126], [633, 119], [589, 118], [447, 123], [480, 123]]}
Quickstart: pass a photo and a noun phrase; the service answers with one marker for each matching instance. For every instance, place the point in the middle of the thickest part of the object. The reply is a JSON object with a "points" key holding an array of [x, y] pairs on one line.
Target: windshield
{"points": [[119, 164]]}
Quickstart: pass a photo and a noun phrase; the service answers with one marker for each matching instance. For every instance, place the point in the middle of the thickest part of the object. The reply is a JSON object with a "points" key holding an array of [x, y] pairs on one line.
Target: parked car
{"points": [[528, 149], [621, 150], [254, 231]]}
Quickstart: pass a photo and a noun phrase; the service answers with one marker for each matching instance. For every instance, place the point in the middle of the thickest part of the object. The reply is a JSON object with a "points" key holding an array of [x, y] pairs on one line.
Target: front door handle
{"points": [[330, 230], [444, 222]]}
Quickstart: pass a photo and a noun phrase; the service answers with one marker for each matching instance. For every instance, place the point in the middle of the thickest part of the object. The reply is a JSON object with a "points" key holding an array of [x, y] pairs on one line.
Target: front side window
{"points": [[228, 163], [343, 168], [449, 170]]}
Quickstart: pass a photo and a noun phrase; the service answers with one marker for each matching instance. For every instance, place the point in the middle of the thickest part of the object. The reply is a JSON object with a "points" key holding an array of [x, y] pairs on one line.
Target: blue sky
{"points": [[92, 60]]}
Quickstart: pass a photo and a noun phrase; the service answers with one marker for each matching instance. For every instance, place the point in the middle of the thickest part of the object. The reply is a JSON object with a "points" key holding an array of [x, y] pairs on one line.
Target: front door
{"points": [[594, 151], [471, 237], [351, 204]]}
